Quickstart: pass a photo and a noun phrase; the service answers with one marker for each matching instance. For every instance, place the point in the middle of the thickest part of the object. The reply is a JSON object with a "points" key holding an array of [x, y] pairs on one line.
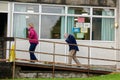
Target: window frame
{"points": [[66, 14]]}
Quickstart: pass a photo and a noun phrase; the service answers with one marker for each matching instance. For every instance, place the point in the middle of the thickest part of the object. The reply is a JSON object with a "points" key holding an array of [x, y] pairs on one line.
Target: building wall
{"points": [[64, 50], [73, 2]]}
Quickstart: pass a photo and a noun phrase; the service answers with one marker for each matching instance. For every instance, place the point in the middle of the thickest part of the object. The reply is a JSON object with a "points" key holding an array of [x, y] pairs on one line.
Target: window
{"points": [[26, 8], [21, 22], [52, 27], [103, 11], [53, 9], [79, 27], [85, 23], [103, 29], [79, 10]]}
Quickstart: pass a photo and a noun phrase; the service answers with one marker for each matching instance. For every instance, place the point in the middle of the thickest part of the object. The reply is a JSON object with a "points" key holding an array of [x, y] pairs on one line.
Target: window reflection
{"points": [[52, 27], [103, 29], [53, 9], [26, 8], [21, 23]]}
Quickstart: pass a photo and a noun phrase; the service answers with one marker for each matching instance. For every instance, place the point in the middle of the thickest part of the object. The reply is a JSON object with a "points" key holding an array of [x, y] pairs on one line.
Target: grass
{"points": [[115, 76]]}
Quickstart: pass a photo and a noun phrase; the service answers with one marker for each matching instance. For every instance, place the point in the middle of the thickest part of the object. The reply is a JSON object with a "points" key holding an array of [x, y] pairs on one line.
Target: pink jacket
{"points": [[32, 35]]}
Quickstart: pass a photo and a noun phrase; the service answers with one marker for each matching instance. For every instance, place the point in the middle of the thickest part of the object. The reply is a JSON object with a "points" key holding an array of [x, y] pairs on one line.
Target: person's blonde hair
{"points": [[31, 24]]}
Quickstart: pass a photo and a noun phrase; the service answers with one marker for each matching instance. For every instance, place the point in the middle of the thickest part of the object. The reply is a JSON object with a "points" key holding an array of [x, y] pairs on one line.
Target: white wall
{"points": [[3, 6]]}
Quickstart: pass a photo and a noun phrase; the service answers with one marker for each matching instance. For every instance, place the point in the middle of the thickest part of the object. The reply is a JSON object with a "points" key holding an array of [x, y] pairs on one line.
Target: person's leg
{"points": [[75, 58], [32, 48], [71, 56]]}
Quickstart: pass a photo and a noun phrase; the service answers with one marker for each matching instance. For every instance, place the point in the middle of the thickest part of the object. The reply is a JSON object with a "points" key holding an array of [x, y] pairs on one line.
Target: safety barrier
{"points": [[13, 51]]}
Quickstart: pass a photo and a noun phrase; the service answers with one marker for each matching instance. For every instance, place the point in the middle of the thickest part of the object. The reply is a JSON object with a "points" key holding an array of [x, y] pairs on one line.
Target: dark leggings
{"points": [[32, 48]]}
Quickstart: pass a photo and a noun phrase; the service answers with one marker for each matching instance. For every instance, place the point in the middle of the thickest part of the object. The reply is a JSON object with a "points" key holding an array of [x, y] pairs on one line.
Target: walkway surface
{"points": [[83, 68]]}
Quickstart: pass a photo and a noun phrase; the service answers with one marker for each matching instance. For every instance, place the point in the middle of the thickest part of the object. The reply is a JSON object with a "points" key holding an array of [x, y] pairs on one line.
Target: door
{"points": [[3, 33]]}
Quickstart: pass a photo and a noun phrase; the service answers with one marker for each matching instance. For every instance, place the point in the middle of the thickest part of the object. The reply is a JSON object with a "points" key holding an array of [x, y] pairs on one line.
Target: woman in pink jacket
{"points": [[33, 40]]}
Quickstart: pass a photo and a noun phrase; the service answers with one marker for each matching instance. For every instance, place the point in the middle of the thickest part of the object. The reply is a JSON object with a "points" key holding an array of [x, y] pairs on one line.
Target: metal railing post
{"points": [[53, 60], [88, 61]]}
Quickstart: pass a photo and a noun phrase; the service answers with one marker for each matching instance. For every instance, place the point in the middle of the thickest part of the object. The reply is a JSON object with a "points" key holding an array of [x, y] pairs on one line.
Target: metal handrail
{"points": [[54, 54]]}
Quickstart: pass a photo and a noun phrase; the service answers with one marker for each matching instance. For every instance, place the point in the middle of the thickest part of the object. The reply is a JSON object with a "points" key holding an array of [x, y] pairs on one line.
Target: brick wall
{"points": [[73, 2], [49, 74]]}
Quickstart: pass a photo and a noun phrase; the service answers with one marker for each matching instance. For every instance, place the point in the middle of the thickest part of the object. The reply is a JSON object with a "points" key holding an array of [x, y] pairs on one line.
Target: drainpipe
{"points": [[118, 35]]}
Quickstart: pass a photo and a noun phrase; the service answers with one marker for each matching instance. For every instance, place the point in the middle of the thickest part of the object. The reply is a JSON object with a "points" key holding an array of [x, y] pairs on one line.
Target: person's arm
{"points": [[67, 40], [31, 33], [71, 40]]}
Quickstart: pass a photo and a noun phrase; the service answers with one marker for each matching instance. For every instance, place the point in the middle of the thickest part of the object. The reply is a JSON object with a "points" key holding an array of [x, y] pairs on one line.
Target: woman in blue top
{"points": [[72, 48]]}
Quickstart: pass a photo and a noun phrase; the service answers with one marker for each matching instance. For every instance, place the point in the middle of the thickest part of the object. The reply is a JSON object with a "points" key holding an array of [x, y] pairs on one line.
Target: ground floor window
{"points": [[52, 27], [76, 26], [103, 29], [85, 23], [20, 23]]}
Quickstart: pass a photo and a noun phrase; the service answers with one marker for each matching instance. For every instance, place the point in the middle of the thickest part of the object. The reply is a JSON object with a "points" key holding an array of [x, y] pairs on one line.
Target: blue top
{"points": [[72, 40]]}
